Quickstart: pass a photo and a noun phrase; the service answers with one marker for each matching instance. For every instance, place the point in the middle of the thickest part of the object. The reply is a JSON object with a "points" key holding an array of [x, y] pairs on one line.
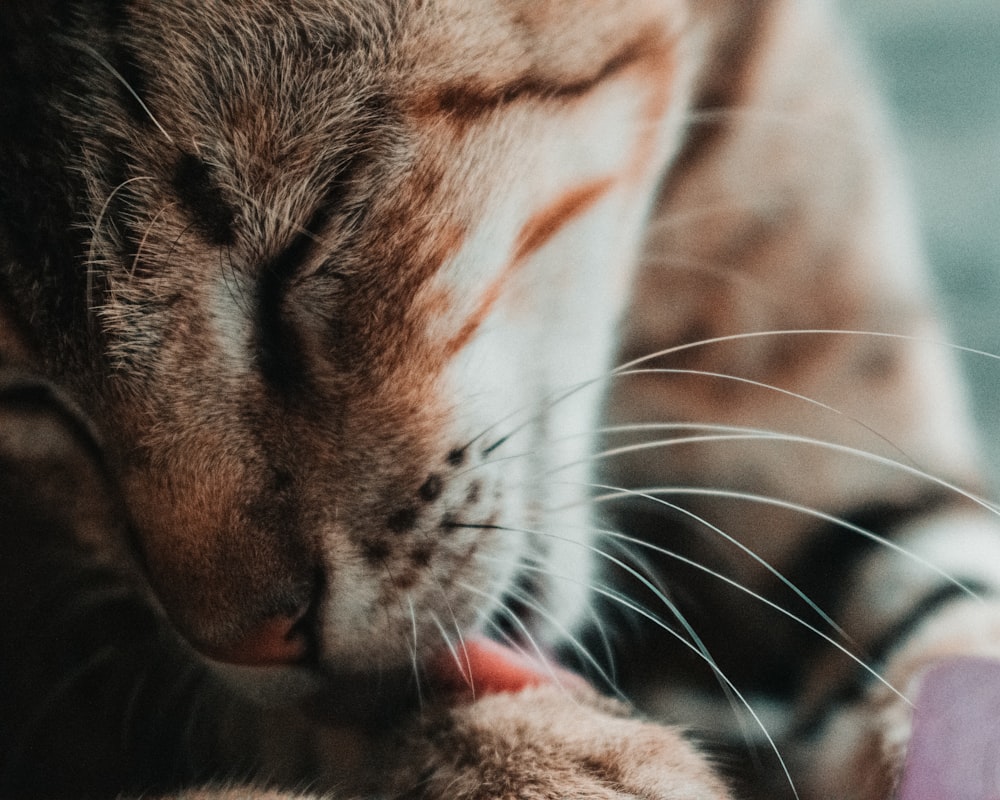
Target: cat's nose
{"points": [[274, 641]]}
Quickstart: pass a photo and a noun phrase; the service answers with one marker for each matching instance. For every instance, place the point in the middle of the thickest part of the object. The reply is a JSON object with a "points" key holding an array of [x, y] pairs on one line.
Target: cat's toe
{"points": [[546, 743]]}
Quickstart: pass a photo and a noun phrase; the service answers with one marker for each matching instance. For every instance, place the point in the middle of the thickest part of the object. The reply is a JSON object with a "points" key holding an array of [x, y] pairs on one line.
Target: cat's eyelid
{"points": [[468, 100]]}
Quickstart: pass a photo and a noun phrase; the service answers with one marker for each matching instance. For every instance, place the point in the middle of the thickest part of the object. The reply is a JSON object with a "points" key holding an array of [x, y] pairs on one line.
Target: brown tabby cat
{"points": [[306, 315]]}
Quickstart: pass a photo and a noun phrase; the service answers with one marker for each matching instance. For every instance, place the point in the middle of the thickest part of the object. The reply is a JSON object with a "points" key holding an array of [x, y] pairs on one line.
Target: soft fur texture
{"points": [[307, 317]]}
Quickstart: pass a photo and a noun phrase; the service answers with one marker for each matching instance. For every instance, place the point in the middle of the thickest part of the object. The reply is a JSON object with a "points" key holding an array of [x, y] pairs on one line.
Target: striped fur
{"points": [[307, 317]]}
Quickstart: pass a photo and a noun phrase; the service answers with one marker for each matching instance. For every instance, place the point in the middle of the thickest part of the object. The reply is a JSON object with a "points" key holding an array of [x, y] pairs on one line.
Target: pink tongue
{"points": [[955, 748], [483, 666]]}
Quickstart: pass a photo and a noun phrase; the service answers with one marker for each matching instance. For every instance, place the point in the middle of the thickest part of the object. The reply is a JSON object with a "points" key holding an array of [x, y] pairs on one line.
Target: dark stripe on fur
{"points": [[469, 102], [279, 355], [824, 569], [196, 187], [727, 79], [853, 691]]}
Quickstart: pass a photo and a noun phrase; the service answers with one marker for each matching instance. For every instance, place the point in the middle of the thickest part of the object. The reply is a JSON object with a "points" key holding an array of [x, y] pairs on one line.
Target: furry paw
{"points": [[866, 750], [546, 743]]}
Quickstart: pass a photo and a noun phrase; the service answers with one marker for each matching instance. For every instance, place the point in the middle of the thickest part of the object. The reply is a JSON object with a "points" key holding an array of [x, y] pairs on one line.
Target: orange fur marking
{"points": [[538, 230], [657, 62]]}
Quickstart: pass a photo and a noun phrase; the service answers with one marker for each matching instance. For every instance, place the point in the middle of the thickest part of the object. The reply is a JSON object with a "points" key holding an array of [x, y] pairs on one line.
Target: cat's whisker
{"points": [[619, 492], [654, 548], [459, 653], [414, 650], [141, 246], [787, 438], [623, 601], [641, 559], [94, 231], [767, 387], [634, 367], [126, 85], [459, 634], [694, 644], [637, 558], [639, 427], [515, 619], [631, 366], [600, 627], [833, 519], [566, 635], [456, 626], [795, 332], [660, 595]]}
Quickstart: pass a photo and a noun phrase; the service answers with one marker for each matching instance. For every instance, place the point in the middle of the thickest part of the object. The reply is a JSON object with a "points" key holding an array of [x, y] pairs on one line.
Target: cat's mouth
{"points": [[282, 661], [477, 667]]}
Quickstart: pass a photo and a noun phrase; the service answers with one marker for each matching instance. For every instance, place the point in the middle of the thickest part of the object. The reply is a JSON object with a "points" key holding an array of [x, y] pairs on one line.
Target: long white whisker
{"points": [[789, 439], [414, 658], [529, 638], [735, 337], [625, 602], [708, 571], [770, 388], [645, 427], [128, 87], [695, 645], [615, 493], [572, 639], [558, 397], [621, 492], [639, 557], [461, 659]]}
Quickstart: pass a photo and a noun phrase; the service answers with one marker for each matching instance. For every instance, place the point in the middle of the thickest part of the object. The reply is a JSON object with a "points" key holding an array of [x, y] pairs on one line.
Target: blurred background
{"points": [[939, 66]]}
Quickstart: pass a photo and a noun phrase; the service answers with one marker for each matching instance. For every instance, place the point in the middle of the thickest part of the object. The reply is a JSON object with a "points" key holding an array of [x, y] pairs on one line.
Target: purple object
{"points": [[954, 753]]}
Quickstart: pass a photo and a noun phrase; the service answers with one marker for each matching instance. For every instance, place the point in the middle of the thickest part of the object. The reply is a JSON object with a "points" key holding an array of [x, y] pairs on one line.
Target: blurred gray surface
{"points": [[939, 66]]}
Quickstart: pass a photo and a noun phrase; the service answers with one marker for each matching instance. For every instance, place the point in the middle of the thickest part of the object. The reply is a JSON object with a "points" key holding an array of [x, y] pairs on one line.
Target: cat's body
{"points": [[334, 281]]}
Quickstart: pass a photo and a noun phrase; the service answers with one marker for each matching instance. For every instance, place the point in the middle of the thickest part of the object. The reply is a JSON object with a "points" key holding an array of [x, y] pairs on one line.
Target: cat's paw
{"points": [[545, 743], [867, 750]]}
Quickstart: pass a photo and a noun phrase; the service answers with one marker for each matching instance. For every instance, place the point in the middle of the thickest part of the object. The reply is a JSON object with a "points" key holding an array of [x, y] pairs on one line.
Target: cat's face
{"points": [[339, 252]]}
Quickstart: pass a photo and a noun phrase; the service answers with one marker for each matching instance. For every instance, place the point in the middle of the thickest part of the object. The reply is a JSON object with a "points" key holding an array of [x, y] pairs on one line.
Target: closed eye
{"points": [[213, 216], [469, 100], [278, 352]]}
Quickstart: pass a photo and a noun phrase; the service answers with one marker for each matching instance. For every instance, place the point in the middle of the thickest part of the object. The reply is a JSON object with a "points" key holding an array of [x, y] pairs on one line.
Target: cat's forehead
{"points": [[559, 41], [288, 93], [397, 42]]}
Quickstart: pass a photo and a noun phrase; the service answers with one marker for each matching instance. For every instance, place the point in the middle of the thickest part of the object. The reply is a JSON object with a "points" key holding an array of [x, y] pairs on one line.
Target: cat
{"points": [[307, 317]]}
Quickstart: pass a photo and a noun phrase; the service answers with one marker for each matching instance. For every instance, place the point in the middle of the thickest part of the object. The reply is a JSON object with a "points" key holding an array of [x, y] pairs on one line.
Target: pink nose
{"points": [[277, 640]]}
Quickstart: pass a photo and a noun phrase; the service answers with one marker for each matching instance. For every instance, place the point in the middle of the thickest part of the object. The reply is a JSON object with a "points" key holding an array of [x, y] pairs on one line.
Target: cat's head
{"points": [[322, 271]]}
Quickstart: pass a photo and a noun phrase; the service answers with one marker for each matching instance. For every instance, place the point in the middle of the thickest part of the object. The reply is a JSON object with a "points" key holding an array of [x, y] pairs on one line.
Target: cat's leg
{"points": [[817, 417]]}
